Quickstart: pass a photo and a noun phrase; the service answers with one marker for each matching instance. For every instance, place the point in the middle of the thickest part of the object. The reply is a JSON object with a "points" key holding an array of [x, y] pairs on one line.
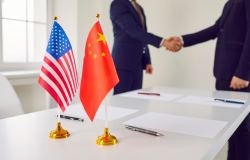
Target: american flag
{"points": [[58, 74]]}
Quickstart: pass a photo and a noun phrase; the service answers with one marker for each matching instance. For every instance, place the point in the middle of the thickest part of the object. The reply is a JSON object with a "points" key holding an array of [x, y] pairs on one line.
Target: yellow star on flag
{"points": [[101, 38], [90, 52], [89, 45], [95, 56], [103, 54]]}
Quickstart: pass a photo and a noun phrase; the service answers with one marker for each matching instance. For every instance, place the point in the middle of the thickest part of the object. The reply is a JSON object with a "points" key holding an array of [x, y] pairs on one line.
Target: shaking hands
{"points": [[173, 44]]}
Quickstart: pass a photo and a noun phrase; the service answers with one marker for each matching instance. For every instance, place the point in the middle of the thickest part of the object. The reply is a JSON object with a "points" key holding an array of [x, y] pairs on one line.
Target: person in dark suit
{"points": [[130, 51], [232, 62]]}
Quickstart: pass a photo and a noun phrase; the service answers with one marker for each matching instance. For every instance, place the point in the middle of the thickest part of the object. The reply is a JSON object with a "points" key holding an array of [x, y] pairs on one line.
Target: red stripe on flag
{"points": [[53, 66], [73, 60], [75, 66], [53, 79], [67, 75], [52, 92], [67, 63]]}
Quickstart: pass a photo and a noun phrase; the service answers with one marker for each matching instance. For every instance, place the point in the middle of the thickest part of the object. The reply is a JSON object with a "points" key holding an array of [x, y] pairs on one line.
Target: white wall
{"points": [[67, 13], [32, 97], [190, 68], [87, 10]]}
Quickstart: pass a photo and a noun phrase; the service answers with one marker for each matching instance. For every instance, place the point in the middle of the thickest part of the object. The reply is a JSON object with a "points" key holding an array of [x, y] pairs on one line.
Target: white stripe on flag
{"points": [[72, 71], [45, 65], [52, 59]]}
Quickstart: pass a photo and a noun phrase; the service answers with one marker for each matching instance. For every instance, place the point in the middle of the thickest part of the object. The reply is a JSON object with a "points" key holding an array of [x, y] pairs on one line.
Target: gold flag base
{"points": [[59, 132], [106, 139]]}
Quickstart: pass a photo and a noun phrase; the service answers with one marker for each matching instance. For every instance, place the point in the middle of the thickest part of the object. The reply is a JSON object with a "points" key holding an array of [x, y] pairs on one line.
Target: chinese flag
{"points": [[99, 74]]}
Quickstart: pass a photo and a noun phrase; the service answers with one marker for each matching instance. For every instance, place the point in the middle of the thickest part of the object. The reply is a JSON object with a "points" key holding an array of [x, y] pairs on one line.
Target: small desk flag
{"points": [[58, 74], [99, 74]]}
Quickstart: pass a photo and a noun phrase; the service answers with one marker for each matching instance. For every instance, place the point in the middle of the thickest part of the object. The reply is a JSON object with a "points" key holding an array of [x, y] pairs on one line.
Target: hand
{"points": [[174, 46], [178, 39], [238, 83], [149, 69]]}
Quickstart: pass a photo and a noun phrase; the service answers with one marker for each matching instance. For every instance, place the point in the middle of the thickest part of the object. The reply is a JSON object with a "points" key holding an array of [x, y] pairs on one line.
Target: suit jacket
{"points": [[232, 55], [131, 40]]}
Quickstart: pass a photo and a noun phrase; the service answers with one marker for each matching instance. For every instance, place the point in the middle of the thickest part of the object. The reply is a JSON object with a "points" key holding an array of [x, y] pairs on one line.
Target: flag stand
{"points": [[59, 132], [106, 138]]}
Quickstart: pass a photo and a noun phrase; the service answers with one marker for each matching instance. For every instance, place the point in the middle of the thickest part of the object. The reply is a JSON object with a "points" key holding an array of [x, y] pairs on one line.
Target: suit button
{"points": [[143, 51], [221, 30]]}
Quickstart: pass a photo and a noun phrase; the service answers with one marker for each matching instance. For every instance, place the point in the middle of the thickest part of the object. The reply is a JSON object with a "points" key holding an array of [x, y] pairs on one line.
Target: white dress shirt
{"points": [[133, 3], [182, 40]]}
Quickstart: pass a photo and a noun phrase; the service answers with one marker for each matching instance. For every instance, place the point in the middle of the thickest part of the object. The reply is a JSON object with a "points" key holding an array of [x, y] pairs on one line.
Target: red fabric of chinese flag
{"points": [[99, 74]]}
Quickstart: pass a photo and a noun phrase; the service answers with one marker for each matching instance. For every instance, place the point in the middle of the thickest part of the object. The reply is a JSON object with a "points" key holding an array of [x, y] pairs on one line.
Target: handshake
{"points": [[173, 44]]}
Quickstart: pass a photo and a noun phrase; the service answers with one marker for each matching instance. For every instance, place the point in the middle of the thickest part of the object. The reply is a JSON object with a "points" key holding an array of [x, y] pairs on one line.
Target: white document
{"points": [[179, 124], [113, 112], [162, 97], [210, 101]]}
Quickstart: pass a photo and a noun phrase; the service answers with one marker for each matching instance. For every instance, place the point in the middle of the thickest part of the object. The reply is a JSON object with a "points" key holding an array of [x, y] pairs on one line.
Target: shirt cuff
{"points": [[161, 42], [182, 40]]}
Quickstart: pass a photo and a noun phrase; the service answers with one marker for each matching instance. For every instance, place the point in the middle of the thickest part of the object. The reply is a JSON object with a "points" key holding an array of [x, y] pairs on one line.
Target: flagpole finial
{"points": [[98, 16], [55, 18]]}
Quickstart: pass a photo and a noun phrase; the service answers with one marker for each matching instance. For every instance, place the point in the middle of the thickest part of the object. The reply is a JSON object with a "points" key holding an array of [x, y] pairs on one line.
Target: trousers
{"points": [[239, 142]]}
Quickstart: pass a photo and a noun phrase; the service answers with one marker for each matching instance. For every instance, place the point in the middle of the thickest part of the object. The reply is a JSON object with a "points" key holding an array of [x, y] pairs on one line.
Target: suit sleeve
{"points": [[202, 36], [119, 13], [243, 70]]}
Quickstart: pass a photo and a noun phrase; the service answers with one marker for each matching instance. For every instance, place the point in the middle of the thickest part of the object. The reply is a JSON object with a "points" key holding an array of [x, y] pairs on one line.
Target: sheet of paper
{"points": [[162, 97], [113, 112], [179, 124], [210, 101]]}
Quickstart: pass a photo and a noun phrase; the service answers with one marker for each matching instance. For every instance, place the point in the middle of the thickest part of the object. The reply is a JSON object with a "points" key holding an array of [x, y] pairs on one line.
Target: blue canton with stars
{"points": [[58, 43]]}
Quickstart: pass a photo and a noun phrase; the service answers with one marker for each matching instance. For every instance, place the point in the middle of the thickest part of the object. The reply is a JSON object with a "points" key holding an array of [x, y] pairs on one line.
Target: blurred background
{"points": [[26, 24]]}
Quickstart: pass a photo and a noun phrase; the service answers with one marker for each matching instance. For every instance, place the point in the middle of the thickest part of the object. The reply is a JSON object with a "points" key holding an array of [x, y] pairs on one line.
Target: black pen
{"points": [[132, 128], [70, 118], [227, 101]]}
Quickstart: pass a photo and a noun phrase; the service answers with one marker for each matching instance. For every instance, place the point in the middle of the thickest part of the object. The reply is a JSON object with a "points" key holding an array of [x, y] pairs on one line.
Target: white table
{"points": [[26, 137]]}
